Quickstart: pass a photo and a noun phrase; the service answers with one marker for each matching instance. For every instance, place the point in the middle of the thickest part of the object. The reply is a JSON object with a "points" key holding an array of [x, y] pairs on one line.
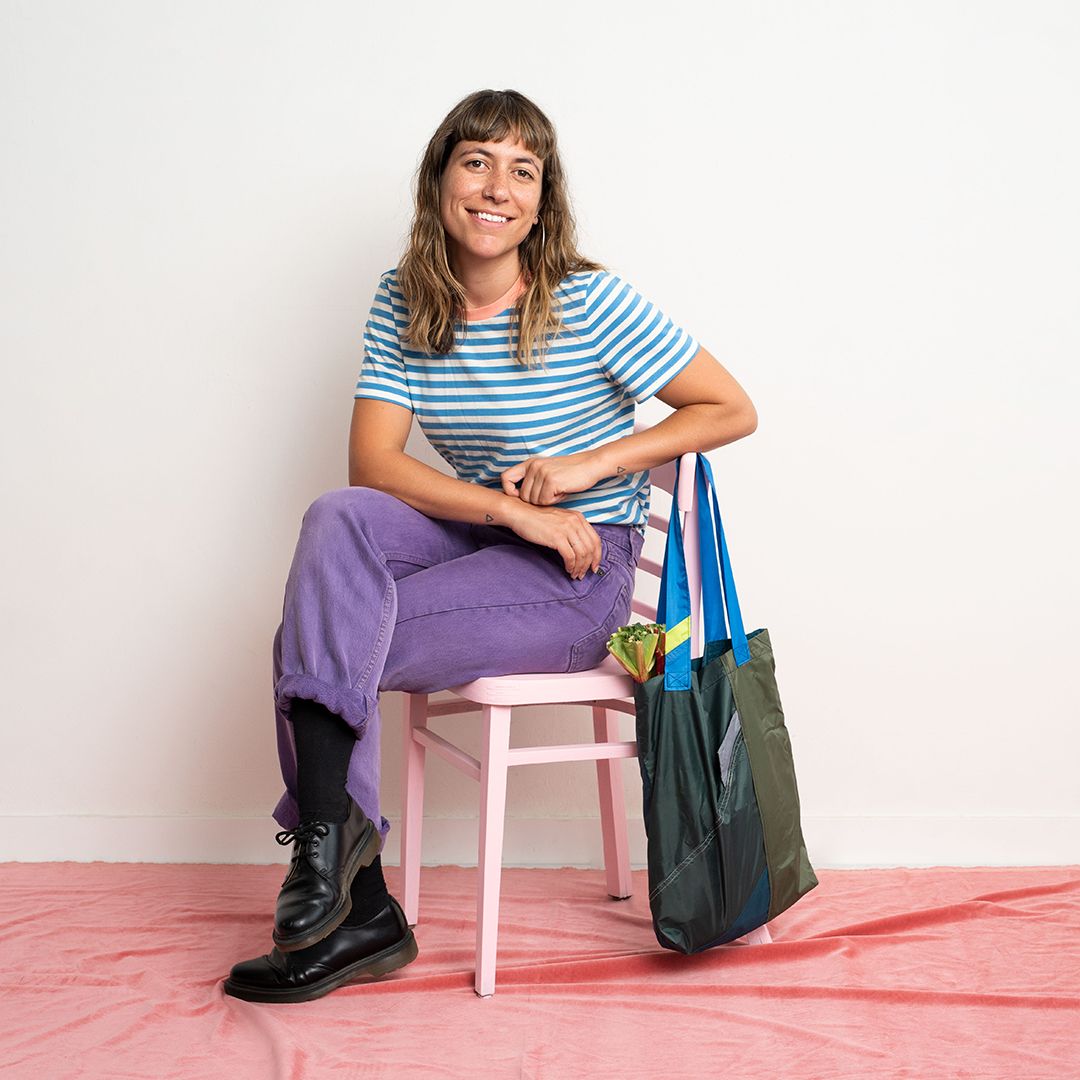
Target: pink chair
{"points": [[607, 688]]}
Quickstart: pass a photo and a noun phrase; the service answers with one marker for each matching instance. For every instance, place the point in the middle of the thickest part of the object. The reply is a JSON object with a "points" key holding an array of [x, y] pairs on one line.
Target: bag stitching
{"points": [[720, 807], [676, 873]]}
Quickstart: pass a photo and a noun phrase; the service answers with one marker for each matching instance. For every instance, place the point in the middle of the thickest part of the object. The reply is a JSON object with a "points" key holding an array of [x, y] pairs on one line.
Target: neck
{"points": [[485, 280]]}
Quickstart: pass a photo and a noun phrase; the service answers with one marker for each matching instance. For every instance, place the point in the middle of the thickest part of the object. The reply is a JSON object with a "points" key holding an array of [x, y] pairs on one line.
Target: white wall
{"points": [[867, 211]]}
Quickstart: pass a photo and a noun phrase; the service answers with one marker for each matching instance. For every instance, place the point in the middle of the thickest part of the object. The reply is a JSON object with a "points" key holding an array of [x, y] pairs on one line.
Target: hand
{"points": [[546, 480], [566, 531]]}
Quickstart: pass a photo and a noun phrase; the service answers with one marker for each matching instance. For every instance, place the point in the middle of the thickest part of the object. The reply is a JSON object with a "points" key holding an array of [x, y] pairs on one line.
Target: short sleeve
{"points": [[382, 374], [638, 347]]}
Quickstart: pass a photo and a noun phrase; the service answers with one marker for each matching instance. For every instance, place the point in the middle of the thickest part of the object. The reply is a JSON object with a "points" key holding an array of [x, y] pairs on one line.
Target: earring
{"points": [[543, 234]]}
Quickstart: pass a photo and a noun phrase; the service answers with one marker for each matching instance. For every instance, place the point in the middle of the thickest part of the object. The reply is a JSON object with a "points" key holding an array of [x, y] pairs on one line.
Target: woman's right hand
{"points": [[567, 531]]}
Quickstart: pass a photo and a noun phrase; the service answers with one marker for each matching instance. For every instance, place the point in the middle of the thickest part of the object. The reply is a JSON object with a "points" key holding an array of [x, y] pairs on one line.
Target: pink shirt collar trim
{"points": [[496, 307]]}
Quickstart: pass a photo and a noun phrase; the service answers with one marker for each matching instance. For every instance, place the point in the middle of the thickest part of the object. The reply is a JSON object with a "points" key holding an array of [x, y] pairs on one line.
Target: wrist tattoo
{"points": [[619, 470], [488, 517]]}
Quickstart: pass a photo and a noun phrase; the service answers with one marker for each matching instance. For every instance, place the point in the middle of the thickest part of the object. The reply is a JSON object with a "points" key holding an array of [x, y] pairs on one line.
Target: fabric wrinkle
{"points": [[383, 597]]}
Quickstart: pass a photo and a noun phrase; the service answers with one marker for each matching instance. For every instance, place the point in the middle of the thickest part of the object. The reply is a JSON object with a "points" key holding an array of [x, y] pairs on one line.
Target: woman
{"points": [[522, 361]]}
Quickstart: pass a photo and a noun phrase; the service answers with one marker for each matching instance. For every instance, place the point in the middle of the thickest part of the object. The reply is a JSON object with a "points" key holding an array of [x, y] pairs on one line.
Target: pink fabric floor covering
{"points": [[115, 970]]}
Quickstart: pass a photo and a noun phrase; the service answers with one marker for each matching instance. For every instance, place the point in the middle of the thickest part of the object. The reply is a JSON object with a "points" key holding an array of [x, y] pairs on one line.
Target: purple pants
{"points": [[383, 597]]}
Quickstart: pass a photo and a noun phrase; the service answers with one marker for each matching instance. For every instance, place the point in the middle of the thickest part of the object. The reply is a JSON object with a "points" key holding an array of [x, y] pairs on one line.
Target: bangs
{"points": [[494, 122]]}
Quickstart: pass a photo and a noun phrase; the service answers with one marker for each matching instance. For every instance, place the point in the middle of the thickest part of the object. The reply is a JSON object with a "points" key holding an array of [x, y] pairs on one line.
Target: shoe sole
{"points": [[363, 856], [380, 963]]}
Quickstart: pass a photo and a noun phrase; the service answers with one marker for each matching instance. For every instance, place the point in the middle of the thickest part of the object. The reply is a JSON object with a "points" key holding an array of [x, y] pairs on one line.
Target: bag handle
{"points": [[673, 605], [739, 644]]}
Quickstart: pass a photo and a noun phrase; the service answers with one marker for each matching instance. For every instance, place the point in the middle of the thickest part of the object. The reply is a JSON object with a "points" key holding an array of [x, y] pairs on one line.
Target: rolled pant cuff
{"points": [[353, 706], [287, 812]]}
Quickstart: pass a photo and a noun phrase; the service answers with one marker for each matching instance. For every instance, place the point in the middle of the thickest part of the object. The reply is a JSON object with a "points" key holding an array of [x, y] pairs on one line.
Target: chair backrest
{"points": [[663, 477]]}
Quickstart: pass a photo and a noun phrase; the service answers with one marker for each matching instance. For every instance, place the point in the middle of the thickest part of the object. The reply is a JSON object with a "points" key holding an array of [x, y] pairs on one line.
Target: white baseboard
{"points": [[832, 842]]}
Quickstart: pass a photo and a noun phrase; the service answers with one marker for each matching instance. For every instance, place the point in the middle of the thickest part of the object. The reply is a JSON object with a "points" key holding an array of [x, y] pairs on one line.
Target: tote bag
{"points": [[721, 807]]}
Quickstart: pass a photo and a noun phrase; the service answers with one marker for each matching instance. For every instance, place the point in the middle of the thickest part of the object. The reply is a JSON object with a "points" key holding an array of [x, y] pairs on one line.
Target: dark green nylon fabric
{"points": [[756, 695], [724, 858]]}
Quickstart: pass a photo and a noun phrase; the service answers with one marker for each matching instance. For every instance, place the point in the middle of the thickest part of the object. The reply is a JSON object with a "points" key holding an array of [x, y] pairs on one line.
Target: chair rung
{"points": [[447, 750], [650, 565], [446, 708], [618, 705], [540, 755]]}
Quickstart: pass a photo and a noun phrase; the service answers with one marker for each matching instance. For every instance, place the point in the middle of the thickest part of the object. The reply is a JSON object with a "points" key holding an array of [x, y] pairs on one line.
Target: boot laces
{"points": [[303, 834]]}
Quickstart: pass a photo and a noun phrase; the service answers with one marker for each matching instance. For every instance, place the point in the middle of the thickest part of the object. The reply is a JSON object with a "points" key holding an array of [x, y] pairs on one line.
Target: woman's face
{"points": [[501, 179]]}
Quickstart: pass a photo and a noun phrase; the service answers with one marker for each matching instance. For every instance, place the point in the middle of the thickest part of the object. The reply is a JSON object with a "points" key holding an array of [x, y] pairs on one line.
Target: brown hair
{"points": [[435, 297]]}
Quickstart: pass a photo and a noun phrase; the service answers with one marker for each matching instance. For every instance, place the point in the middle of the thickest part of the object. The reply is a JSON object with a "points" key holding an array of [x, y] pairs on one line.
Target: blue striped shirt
{"points": [[484, 412]]}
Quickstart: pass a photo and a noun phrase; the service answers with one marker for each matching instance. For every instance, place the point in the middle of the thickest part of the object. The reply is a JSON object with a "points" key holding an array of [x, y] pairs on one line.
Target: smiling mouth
{"points": [[492, 219]]}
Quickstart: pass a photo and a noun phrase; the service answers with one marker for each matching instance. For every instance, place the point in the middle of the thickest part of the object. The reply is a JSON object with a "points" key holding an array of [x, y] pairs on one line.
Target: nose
{"points": [[497, 186]]}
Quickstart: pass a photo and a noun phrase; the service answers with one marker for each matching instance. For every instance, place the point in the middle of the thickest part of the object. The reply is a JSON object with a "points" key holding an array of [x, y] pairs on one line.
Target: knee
{"points": [[341, 504]]}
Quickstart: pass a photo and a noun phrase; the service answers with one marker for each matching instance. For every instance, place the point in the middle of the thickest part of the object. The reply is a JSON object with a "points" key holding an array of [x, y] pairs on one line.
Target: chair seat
{"points": [[609, 679]]}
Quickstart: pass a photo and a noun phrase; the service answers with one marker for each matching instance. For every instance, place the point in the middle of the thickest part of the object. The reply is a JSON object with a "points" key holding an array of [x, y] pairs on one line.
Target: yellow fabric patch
{"points": [[679, 633]]}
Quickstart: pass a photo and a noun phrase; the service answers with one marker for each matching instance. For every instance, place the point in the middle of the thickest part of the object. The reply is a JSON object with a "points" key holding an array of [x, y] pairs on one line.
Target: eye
{"points": [[478, 161]]}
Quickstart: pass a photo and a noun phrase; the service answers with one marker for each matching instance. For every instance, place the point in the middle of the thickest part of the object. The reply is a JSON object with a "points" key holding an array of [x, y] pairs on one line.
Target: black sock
{"points": [[368, 892], [324, 744]]}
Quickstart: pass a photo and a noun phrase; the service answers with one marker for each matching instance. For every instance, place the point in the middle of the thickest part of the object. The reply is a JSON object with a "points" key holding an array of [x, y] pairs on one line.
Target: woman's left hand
{"points": [[546, 480]]}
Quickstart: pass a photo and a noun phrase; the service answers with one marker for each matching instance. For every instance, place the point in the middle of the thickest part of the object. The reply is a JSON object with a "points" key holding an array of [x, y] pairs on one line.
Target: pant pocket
{"points": [[591, 649]]}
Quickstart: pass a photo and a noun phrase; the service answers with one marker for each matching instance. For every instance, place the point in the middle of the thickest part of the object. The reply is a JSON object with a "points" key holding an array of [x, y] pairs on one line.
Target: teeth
{"points": [[487, 217]]}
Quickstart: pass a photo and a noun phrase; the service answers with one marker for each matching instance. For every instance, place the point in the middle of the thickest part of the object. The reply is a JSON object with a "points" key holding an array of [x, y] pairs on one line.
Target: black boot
{"points": [[314, 896], [380, 945]]}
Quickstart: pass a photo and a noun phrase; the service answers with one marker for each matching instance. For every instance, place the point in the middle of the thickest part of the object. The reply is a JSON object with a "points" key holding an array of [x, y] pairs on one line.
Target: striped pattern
{"points": [[484, 412]]}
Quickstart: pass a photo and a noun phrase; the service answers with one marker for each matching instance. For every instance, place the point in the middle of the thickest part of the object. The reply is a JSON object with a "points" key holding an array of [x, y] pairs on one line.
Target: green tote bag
{"points": [[721, 807]]}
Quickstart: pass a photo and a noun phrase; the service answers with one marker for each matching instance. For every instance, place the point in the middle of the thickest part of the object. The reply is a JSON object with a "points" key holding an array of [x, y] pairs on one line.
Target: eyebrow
{"points": [[485, 153]]}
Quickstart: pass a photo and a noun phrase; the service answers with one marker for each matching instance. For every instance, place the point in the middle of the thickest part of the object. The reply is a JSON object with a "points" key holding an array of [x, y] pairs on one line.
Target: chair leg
{"points": [[609, 780], [412, 805], [760, 936], [493, 768]]}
